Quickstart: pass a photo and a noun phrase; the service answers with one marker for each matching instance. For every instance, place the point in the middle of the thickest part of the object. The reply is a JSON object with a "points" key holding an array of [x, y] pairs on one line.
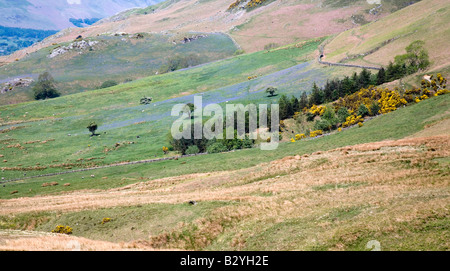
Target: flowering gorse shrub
{"points": [[63, 230], [352, 120], [316, 133], [441, 92], [299, 136], [234, 4], [254, 3], [317, 110], [390, 101]]}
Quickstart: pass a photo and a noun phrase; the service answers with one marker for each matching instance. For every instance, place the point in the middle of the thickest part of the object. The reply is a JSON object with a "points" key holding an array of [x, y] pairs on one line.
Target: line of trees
{"points": [[415, 59], [193, 146]]}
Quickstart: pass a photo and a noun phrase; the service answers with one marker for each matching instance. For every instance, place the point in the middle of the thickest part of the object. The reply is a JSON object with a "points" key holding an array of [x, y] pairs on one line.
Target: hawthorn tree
{"points": [[92, 127], [271, 91], [45, 87]]}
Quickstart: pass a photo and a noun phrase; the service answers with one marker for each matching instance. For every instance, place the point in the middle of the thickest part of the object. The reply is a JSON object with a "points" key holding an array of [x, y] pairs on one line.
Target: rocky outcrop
{"points": [[189, 39], [74, 46], [18, 82]]}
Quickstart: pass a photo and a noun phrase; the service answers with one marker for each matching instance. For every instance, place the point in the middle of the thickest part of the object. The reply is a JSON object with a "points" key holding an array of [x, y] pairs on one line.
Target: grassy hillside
{"points": [[426, 20], [254, 29], [384, 182], [338, 198], [118, 58], [122, 119]]}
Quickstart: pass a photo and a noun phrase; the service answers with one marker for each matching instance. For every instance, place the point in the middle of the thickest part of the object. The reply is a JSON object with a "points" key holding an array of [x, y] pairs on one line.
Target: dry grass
{"points": [[367, 162], [39, 241], [389, 182]]}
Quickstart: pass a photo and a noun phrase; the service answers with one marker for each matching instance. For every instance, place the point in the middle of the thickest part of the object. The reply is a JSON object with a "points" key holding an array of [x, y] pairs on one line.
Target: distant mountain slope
{"points": [[85, 65], [57, 14], [275, 22]]}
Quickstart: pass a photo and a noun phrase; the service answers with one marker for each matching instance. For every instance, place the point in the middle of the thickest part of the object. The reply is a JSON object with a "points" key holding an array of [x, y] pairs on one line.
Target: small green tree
{"points": [[45, 87], [381, 76], [271, 91], [286, 109], [329, 115], [303, 101], [416, 57], [216, 147], [92, 127], [317, 96]]}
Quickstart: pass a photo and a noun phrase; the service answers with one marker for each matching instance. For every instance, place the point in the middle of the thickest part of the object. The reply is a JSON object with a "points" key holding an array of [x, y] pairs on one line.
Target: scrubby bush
{"points": [[363, 111], [239, 52], [328, 119], [216, 148], [63, 230], [271, 46], [108, 84], [342, 114], [179, 62], [324, 125], [374, 108], [192, 150]]}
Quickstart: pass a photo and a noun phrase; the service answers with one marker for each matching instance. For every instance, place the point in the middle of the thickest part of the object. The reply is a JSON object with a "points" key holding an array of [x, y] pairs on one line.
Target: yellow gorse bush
{"points": [[299, 136], [234, 4], [352, 120], [441, 92], [316, 133], [254, 3], [317, 110], [390, 101], [63, 229]]}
